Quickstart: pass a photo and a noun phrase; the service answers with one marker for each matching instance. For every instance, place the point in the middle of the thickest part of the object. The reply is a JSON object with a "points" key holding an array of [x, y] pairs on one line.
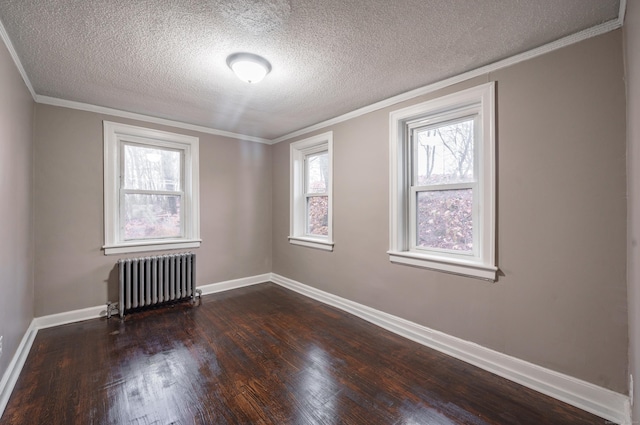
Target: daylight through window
{"points": [[151, 197], [152, 192], [442, 184], [316, 193], [311, 168]]}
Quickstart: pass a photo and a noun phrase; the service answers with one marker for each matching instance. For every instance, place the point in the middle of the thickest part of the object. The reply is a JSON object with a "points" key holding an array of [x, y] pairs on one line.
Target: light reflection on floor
{"points": [[316, 387], [154, 388]]}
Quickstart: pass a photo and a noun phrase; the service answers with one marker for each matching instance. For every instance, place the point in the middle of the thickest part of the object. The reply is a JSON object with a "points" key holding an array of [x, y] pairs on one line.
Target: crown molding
{"points": [[558, 44], [622, 11], [521, 57], [16, 59], [46, 100]]}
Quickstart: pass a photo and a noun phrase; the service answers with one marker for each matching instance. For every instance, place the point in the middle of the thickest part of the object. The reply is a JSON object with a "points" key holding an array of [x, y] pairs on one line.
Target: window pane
{"points": [[444, 154], [444, 219], [151, 216], [318, 215], [147, 168], [317, 172]]}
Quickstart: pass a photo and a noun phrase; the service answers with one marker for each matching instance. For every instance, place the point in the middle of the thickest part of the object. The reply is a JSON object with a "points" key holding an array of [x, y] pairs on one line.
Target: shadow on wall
{"points": [[112, 284]]}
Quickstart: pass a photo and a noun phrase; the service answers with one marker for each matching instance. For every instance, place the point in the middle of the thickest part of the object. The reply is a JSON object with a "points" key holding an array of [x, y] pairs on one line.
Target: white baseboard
{"points": [[101, 310], [600, 401], [67, 317], [10, 376], [233, 284]]}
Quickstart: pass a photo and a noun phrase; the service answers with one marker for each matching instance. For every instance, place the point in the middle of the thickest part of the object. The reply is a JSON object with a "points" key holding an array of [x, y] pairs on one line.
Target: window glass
{"points": [[444, 153], [317, 172], [149, 168], [318, 215], [445, 219], [150, 216]]}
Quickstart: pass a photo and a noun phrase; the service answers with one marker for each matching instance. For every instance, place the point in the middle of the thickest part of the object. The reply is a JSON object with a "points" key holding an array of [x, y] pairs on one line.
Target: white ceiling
{"points": [[166, 58]]}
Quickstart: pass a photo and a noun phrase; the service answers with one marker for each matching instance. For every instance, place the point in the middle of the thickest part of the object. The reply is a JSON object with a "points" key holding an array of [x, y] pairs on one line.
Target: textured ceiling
{"points": [[166, 58]]}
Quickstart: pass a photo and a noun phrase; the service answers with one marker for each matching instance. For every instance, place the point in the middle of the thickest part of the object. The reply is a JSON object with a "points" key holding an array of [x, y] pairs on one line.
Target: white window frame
{"points": [[116, 136], [298, 214], [480, 263]]}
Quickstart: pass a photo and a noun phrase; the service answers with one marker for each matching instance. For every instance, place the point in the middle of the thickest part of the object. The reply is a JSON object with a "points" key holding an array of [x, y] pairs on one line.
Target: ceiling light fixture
{"points": [[249, 67]]}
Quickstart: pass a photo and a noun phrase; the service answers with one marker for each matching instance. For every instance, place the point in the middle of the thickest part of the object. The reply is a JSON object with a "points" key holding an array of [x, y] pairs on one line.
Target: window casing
{"points": [[151, 190], [311, 200], [442, 184]]}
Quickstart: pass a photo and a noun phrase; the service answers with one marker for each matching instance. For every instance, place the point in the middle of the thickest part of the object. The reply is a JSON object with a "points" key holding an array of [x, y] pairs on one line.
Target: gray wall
{"points": [[632, 54], [16, 213], [561, 302], [71, 271]]}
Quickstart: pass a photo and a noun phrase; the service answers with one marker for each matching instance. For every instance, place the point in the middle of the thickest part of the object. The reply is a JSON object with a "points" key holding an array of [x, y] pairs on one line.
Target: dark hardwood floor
{"points": [[259, 355]]}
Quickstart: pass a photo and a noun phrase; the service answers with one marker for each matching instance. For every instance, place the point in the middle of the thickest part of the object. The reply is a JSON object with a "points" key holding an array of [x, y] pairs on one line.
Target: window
{"points": [[442, 177], [311, 203], [151, 194]]}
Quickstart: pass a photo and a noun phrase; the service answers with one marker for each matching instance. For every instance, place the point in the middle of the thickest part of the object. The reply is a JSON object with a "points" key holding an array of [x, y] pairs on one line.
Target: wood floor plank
{"points": [[259, 355]]}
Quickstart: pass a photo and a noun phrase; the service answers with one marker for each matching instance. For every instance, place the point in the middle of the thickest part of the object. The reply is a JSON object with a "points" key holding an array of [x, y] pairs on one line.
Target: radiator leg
{"points": [[197, 294], [111, 307]]}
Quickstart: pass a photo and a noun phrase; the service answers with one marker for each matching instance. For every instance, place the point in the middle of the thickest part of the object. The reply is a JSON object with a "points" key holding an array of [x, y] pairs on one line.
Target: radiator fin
{"points": [[156, 280]]}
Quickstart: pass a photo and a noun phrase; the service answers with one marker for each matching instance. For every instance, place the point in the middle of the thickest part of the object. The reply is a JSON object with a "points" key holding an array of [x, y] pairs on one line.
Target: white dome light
{"points": [[249, 67]]}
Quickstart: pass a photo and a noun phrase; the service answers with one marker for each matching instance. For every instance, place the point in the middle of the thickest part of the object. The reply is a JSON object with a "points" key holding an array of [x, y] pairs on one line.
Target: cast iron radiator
{"points": [[155, 280]]}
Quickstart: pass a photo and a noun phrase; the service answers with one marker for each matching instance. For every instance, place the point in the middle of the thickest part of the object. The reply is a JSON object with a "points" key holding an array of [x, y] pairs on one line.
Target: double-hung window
{"points": [[443, 183], [150, 188], [311, 200]]}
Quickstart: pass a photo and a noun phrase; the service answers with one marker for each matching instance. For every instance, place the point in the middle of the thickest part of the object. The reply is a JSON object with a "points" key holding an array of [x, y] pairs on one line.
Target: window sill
{"points": [[448, 265], [322, 244], [139, 246]]}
